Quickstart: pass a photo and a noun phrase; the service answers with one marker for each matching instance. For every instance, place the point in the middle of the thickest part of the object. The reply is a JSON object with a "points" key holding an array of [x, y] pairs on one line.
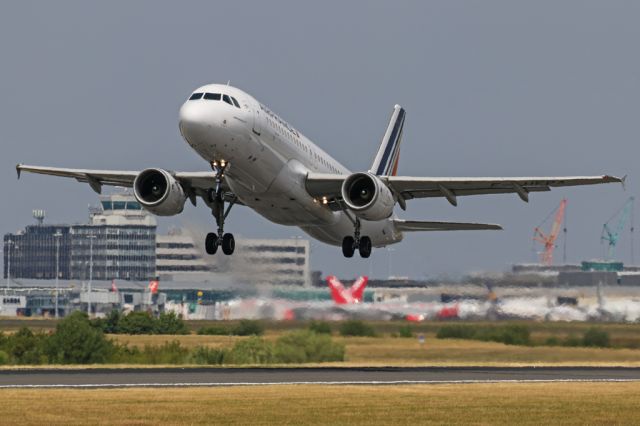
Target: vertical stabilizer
{"points": [[338, 292], [386, 161], [357, 289]]}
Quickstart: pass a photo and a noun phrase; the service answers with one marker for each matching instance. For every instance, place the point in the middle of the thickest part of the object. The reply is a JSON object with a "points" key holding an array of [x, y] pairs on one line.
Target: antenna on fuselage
{"points": [[228, 82]]}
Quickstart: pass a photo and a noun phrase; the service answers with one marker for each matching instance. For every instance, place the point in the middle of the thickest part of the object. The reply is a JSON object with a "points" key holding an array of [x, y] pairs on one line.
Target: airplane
{"points": [[261, 161], [343, 296]]}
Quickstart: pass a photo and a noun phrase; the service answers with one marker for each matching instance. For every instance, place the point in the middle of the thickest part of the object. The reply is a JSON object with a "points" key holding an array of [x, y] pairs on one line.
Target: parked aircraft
{"points": [[261, 161]]}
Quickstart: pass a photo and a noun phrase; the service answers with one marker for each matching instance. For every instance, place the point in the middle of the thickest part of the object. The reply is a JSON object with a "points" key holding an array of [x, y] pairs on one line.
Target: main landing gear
{"points": [[216, 201], [362, 244]]}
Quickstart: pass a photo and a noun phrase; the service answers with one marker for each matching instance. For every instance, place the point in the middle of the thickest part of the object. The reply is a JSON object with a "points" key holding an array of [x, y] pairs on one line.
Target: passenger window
{"points": [[195, 96], [235, 102], [226, 99], [212, 96]]}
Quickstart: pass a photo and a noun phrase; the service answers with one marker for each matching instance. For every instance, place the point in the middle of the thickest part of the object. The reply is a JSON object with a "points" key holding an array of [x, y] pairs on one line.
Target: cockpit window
{"points": [[212, 96], [235, 102], [227, 100], [195, 96]]}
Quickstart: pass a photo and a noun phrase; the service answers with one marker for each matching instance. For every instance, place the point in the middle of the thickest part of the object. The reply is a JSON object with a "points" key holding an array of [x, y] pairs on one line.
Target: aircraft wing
{"points": [[329, 185], [194, 183], [415, 225]]}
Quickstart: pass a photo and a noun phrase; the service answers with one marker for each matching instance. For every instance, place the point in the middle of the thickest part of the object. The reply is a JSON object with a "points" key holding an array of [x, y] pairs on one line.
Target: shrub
{"points": [[136, 323], [307, 346], [320, 327], [214, 330], [456, 332], [507, 334], [26, 347], [511, 334], [356, 328], [207, 356], [4, 358], [75, 341], [169, 323], [109, 324], [405, 331], [572, 341], [253, 350], [168, 353], [248, 328], [552, 341], [596, 337]]}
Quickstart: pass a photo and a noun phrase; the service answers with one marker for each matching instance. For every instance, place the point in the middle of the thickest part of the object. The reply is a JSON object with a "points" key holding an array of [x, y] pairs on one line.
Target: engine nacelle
{"points": [[367, 196], [159, 192]]}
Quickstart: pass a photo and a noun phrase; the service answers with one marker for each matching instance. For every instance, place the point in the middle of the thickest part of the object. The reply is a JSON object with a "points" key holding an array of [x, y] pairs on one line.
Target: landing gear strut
{"points": [[351, 243], [216, 200]]}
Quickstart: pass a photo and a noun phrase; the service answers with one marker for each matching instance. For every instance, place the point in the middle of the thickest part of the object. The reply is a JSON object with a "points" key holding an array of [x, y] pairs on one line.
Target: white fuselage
{"points": [[268, 164]]}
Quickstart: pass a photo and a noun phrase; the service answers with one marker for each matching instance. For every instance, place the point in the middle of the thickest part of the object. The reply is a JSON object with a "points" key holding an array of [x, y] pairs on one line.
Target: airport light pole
{"points": [[9, 242], [57, 236], [91, 238]]}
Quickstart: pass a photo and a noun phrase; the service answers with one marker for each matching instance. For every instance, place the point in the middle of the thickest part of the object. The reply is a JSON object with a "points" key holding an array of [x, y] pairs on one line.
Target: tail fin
{"points": [[357, 289], [338, 293], [386, 161]]}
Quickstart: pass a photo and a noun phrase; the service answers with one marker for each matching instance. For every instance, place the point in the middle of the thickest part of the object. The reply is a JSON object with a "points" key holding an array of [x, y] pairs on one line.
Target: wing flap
{"points": [[416, 225]]}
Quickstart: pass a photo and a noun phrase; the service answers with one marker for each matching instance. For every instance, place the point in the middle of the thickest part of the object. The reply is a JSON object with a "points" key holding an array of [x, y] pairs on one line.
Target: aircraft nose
{"points": [[193, 121], [192, 114]]}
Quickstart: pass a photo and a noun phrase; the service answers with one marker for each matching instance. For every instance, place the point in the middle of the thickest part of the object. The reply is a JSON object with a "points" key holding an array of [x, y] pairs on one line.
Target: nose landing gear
{"points": [[362, 244], [216, 201]]}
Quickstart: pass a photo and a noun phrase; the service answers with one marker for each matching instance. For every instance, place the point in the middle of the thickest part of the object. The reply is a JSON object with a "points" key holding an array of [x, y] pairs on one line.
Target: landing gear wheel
{"points": [[348, 246], [211, 243], [228, 244], [365, 247]]}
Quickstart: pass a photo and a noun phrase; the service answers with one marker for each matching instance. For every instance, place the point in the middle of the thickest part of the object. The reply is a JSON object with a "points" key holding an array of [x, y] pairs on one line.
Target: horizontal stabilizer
{"points": [[417, 225]]}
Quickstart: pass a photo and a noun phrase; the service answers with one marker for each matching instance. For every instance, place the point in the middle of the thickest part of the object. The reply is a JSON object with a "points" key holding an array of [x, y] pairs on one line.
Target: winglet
{"points": [[18, 169], [623, 181]]}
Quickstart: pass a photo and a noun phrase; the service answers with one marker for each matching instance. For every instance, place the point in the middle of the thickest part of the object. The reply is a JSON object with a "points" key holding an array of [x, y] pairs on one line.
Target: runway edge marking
{"points": [[374, 383]]}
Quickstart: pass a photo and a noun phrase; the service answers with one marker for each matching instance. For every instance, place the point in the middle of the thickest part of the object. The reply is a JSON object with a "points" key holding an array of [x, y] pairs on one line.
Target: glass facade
{"points": [[124, 252], [32, 253]]}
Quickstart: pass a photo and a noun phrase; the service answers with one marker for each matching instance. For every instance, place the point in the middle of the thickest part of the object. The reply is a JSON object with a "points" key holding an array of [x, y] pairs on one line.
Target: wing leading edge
{"points": [[194, 183], [329, 185]]}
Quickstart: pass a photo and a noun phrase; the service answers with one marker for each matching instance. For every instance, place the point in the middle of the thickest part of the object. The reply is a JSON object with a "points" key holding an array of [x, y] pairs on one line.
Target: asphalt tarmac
{"points": [[184, 377]]}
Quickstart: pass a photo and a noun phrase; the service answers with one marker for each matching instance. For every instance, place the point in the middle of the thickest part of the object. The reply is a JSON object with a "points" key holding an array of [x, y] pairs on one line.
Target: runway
{"points": [[185, 377]]}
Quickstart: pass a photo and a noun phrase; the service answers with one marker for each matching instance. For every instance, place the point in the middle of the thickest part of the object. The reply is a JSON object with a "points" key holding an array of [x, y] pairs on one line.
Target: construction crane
{"points": [[611, 235], [549, 240]]}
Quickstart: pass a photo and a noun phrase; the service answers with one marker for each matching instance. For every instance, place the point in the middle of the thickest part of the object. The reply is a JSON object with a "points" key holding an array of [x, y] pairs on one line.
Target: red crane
{"points": [[549, 240]]}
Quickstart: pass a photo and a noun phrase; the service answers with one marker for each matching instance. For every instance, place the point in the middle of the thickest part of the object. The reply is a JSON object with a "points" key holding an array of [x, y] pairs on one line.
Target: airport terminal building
{"points": [[120, 242]]}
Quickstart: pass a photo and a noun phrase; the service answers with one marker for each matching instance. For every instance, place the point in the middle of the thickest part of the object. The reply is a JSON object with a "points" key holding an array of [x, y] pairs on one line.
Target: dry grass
{"points": [[189, 340], [398, 351], [388, 351], [538, 403]]}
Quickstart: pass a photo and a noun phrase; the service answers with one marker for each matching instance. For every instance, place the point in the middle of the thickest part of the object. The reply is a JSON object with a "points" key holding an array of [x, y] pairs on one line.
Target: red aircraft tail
{"points": [[344, 296], [338, 293], [357, 289]]}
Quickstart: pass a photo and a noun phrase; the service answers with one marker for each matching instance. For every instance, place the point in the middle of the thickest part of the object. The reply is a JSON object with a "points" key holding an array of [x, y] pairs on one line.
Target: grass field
{"points": [[388, 351], [521, 403]]}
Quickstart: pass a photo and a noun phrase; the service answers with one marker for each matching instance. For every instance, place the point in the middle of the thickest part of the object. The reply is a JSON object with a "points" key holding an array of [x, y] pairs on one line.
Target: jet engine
{"points": [[367, 196], [159, 192]]}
